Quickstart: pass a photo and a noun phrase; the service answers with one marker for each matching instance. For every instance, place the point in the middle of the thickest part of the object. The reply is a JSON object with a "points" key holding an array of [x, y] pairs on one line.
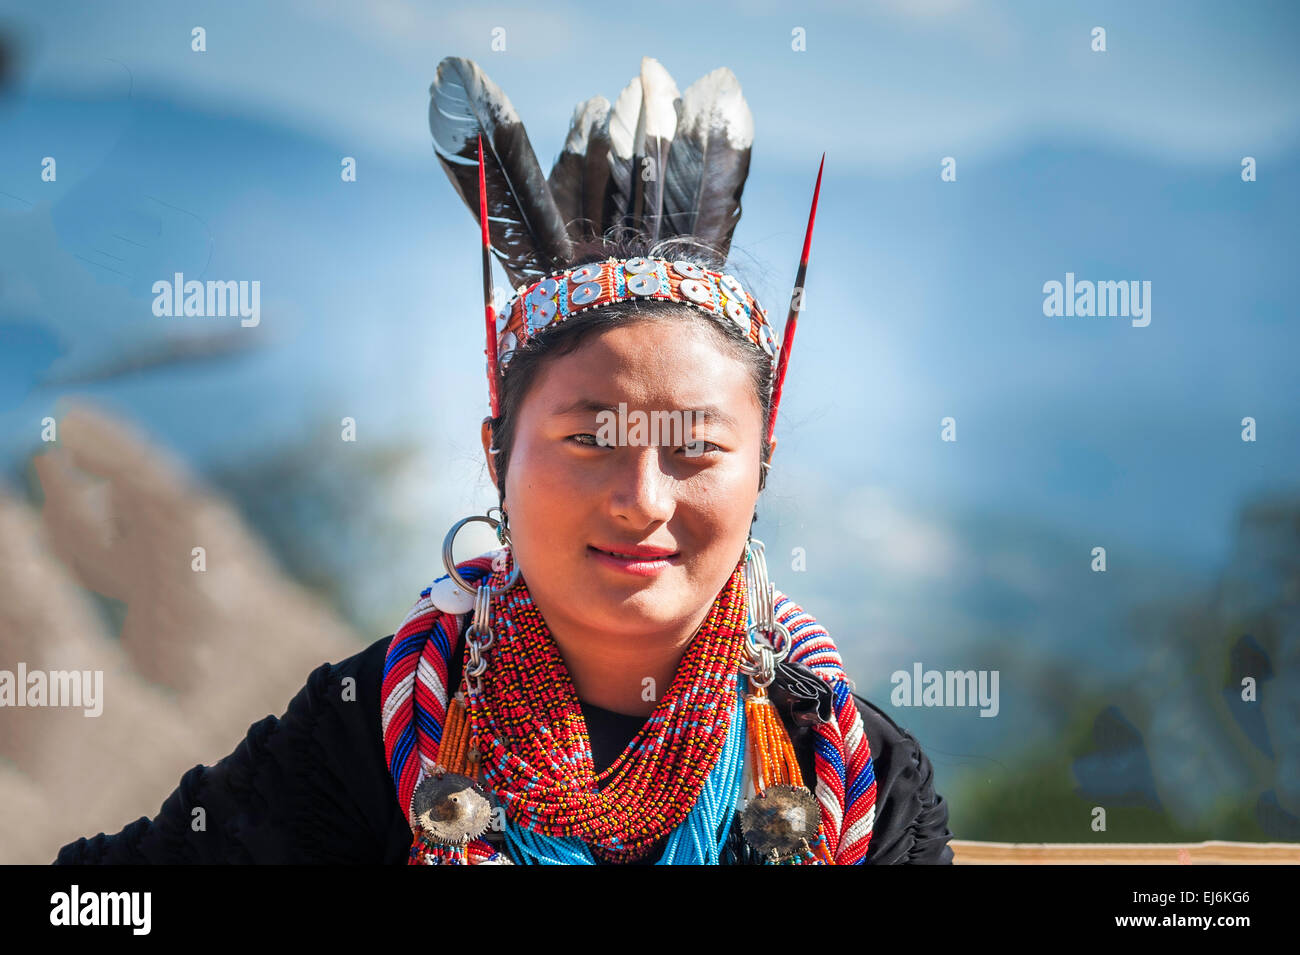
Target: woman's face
{"points": [[568, 497]]}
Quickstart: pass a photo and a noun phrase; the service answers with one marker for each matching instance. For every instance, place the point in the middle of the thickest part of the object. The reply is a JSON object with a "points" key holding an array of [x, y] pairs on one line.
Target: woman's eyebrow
{"points": [[595, 406]]}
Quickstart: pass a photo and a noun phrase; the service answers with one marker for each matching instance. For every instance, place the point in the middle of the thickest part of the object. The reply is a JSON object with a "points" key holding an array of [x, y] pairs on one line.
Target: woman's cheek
{"points": [[718, 502]]}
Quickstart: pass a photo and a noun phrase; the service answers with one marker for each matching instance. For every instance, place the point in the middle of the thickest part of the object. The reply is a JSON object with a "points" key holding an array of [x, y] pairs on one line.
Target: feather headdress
{"points": [[659, 162]]}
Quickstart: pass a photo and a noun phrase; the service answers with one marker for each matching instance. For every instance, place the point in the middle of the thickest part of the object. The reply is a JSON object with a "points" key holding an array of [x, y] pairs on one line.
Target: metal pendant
{"points": [[451, 809], [781, 822]]}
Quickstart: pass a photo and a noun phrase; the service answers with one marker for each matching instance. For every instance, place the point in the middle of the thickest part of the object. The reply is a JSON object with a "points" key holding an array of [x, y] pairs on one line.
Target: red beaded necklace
{"points": [[532, 737]]}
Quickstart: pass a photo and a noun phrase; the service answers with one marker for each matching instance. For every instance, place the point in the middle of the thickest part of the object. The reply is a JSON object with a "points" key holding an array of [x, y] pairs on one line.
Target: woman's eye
{"points": [[694, 449], [697, 449]]}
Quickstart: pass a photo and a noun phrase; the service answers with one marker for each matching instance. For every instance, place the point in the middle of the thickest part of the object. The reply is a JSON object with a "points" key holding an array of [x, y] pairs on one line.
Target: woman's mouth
{"points": [[645, 562]]}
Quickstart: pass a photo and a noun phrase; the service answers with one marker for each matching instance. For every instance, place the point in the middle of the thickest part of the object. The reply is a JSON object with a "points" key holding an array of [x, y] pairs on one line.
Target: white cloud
{"points": [[904, 542]]}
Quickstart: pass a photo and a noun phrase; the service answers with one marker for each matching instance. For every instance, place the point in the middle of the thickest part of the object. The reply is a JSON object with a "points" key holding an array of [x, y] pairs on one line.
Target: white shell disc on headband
{"points": [[736, 312], [687, 270], [639, 265], [644, 283], [697, 291], [767, 338], [733, 288], [545, 289], [585, 293], [542, 314], [584, 274]]}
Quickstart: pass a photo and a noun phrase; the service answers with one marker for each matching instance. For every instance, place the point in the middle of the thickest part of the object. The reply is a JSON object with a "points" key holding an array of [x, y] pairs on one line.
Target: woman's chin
{"points": [[644, 604]]}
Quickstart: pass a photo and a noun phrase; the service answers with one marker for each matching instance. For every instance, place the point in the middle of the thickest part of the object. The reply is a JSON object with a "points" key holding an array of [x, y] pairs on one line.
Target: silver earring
{"points": [[503, 526], [478, 635], [767, 641]]}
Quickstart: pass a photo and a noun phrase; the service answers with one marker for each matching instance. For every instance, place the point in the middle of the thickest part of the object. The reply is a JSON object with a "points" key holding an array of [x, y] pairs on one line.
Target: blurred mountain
{"points": [[331, 513], [199, 655]]}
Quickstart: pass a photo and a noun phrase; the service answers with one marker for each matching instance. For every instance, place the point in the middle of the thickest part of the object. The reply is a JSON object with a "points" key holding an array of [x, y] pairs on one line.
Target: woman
{"points": [[619, 683]]}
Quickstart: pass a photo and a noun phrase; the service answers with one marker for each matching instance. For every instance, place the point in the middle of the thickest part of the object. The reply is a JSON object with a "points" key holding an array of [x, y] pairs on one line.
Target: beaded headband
{"points": [[584, 287], [658, 162]]}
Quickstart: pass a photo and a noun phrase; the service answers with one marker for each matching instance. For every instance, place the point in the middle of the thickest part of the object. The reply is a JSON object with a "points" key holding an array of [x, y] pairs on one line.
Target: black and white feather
{"points": [[653, 138], [663, 163], [528, 235], [580, 176], [709, 160]]}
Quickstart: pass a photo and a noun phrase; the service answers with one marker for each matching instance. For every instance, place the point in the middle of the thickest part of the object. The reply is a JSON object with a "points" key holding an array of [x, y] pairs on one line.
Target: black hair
{"points": [[524, 362]]}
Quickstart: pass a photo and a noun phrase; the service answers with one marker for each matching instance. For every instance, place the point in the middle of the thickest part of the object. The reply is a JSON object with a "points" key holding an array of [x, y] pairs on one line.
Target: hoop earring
{"points": [[478, 637], [502, 527]]}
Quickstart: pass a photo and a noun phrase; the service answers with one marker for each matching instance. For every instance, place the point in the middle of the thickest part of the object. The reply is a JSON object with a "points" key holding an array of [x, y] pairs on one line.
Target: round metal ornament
{"points": [[781, 822], [451, 809]]}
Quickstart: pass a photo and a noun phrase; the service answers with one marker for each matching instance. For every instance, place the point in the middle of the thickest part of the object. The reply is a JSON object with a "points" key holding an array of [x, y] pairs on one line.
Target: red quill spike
{"points": [[489, 312], [796, 304]]}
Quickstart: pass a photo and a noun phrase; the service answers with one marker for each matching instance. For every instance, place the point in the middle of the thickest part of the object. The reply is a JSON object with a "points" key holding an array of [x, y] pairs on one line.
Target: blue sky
{"points": [[925, 297]]}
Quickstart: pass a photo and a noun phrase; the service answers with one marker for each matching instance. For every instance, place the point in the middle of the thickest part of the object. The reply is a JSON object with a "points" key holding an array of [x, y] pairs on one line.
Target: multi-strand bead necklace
{"points": [[536, 755], [521, 731]]}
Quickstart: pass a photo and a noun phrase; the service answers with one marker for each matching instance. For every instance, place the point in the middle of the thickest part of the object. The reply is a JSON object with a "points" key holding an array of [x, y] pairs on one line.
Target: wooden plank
{"points": [[966, 852]]}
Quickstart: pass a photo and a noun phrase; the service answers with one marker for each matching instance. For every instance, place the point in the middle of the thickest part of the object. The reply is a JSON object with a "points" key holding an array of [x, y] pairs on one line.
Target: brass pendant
{"points": [[781, 822], [451, 809]]}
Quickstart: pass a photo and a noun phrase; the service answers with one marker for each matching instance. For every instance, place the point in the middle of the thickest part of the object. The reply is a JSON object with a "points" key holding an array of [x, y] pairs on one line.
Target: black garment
{"points": [[313, 787]]}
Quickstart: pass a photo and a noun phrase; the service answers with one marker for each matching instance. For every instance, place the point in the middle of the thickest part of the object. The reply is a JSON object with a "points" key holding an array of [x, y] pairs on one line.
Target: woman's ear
{"points": [[487, 449]]}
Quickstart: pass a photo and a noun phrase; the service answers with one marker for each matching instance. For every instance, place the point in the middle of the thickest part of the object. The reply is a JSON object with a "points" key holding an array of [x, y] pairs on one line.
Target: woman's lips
{"points": [[639, 566]]}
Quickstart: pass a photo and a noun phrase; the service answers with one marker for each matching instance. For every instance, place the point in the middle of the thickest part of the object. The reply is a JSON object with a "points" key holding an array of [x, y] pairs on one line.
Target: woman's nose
{"points": [[643, 493]]}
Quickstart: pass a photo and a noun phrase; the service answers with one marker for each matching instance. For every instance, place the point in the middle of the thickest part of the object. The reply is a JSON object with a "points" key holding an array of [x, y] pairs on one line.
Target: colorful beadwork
{"points": [[416, 702], [536, 754], [699, 840]]}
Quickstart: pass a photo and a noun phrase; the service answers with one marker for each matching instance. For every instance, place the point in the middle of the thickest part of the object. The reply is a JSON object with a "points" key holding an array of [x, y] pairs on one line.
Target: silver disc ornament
{"points": [[782, 821], [451, 809]]}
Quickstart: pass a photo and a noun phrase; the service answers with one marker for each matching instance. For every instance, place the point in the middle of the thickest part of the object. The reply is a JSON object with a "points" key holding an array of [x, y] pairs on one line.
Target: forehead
{"points": [[664, 363]]}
